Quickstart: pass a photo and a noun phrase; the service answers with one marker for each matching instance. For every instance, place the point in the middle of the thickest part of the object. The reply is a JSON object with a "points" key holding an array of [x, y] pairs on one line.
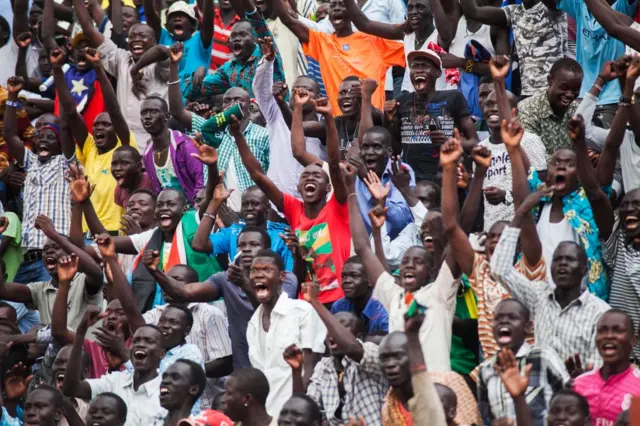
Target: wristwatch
{"points": [[508, 198]]}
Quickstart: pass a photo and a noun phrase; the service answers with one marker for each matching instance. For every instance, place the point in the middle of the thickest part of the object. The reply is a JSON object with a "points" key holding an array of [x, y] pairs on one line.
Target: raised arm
{"points": [[20, 17], [110, 100], [14, 292], [369, 85], [48, 25], [206, 25], [121, 288], [10, 122], [176, 105], [333, 150], [487, 15], [516, 381], [201, 242], [68, 105], [254, 168], [82, 15], [602, 209], [67, 268], [298, 145], [73, 385], [31, 84], [157, 53], [359, 233], [616, 24], [299, 29], [366, 25], [446, 16], [116, 14], [153, 17]]}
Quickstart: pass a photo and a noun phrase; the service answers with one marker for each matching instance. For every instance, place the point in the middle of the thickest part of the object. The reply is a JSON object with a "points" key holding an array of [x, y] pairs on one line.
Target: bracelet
{"points": [[353, 194], [624, 104], [14, 104], [597, 86], [469, 66], [169, 83], [212, 216]]}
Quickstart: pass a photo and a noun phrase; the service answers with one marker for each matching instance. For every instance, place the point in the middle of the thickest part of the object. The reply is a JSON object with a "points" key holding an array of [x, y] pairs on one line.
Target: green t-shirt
{"points": [[13, 256], [463, 360]]}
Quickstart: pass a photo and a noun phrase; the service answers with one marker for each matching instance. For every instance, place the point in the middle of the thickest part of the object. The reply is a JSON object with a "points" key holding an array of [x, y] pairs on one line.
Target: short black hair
{"points": [[157, 97], [131, 150], [149, 192], [379, 130], [525, 311], [154, 327], [56, 395], [316, 86], [266, 239], [277, 259], [121, 406], [566, 64], [252, 381], [190, 274], [314, 410], [583, 404], [181, 195], [485, 79], [198, 377], [431, 185], [351, 78], [356, 260], [626, 315], [185, 309]]}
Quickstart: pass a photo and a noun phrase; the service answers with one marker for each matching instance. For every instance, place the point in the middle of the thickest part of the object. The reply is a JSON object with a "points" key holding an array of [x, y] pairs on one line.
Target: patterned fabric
{"points": [[374, 315], [235, 74], [537, 117], [46, 192], [578, 212], [393, 411], [623, 261], [467, 413], [540, 36], [221, 52], [567, 330], [7, 420], [548, 375], [363, 382], [257, 138]]}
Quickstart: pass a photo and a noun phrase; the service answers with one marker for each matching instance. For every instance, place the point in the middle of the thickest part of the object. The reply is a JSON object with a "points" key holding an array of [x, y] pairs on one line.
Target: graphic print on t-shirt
{"points": [[316, 244]]}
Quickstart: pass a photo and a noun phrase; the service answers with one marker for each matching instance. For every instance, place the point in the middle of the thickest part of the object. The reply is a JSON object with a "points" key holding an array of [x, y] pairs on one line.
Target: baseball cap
{"points": [[207, 418], [183, 7], [77, 39], [427, 53]]}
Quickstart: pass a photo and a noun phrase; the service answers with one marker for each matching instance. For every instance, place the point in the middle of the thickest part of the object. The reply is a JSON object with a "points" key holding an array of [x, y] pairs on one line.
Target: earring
{"points": [[246, 404]]}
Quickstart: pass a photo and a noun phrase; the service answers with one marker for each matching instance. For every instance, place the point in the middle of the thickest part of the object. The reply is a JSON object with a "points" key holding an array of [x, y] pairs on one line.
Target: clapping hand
{"points": [[507, 369]]}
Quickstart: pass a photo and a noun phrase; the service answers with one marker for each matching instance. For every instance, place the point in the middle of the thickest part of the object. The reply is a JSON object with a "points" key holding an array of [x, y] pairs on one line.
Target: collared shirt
{"points": [[439, 299], [608, 398], [43, 295], [257, 138], [236, 74], [225, 241], [142, 405], [284, 169], [548, 375], [579, 213], [398, 213], [623, 261], [46, 192], [7, 420], [292, 322], [569, 330], [221, 51], [374, 315], [118, 62], [536, 116], [210, 333], [364, 383]]}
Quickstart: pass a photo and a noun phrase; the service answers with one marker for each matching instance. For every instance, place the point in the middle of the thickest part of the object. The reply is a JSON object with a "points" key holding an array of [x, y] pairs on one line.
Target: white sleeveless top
{"points": [[482, 36], [409, 46]]}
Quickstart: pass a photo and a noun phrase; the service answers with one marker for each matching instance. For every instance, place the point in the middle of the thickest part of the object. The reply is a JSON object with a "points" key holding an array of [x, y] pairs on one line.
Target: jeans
{"points": [[31, 272]]}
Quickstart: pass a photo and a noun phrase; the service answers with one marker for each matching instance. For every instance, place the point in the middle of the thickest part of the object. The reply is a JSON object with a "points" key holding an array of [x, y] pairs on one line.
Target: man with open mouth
{"points": [[181, 387], [278, 323], [107, 409], [609, 387], [511, 324]]}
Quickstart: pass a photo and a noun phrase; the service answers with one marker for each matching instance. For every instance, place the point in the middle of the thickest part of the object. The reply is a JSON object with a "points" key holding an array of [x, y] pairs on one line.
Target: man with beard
{"points": [[280, 322], [420, 122], [134, 82], [95, 149], [610, 387], [46, 189], [140, 388]]}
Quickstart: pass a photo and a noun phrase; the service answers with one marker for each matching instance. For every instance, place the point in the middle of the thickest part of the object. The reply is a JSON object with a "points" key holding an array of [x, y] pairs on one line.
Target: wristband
{"points": [[624, 104], [597, 86], [469, 66], [212, 216], [14, 104], [169, 83]]}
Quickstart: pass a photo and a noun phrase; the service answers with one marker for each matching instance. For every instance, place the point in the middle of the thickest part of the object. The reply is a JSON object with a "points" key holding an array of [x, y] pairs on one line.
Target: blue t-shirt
{"points": [[195, 55], [595, 46]]}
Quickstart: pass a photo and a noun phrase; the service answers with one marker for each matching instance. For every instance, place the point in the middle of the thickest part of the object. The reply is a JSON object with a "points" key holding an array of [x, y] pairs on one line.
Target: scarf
{"points": [[393, 412], [451, 75]]}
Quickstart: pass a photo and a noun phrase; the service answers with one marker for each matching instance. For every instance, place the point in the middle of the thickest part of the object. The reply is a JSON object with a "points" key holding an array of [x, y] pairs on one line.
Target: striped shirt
{"points": [[567, 330], [46, 192], [489, 293], [221, 52], [210, 333], [608, 398], [548, 375], [623, 262]]}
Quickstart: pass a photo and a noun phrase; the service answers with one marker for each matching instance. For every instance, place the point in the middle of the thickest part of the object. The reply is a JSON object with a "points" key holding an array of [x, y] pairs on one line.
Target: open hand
{"points": [[67, 267], [507, 369], [220, 193], [16, 381], [207, 154], [81, 190], [268, 50], [378, 191], [575, 367]]}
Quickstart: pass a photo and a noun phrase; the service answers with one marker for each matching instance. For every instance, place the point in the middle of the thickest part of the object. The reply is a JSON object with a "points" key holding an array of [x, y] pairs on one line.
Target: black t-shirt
{"points": [[443, 112], [346, 138]]}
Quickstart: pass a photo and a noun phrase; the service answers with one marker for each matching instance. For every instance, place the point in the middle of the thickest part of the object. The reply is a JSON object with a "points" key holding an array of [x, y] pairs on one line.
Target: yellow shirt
{"points": [[98, 168], [105, 4]]}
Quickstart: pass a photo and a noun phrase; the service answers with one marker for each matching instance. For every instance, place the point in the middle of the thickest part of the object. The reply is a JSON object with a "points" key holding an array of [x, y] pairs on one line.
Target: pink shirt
{"points": [[607, 399], [99, 365]]}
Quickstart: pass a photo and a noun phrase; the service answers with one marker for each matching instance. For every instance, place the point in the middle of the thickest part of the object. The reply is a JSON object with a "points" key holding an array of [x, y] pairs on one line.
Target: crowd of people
{"points": [[301, 213]]}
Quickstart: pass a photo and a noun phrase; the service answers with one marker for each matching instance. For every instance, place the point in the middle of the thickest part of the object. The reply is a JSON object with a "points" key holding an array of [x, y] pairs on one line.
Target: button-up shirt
{"points": [[567, 330], [142, 405], [292, 322], [221, 52], [236, 74], [365, 387], [398, 212], [536, 116], [374, 315], [46, 192], [548, 375]]}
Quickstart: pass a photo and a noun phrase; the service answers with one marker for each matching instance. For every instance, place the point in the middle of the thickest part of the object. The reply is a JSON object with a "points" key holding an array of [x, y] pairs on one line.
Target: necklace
{"points": [[347, 144], [159, 153]]}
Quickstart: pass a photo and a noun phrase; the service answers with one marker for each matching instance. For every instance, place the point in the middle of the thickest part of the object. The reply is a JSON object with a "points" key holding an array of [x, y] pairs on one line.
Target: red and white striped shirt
{"points": [[220, 52]]}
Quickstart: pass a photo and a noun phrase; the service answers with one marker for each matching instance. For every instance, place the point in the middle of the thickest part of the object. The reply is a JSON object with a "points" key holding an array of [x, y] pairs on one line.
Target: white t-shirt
{"points": [[551, 235], [499, 174], [231, 182], [463, 36], [631, 52]]}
